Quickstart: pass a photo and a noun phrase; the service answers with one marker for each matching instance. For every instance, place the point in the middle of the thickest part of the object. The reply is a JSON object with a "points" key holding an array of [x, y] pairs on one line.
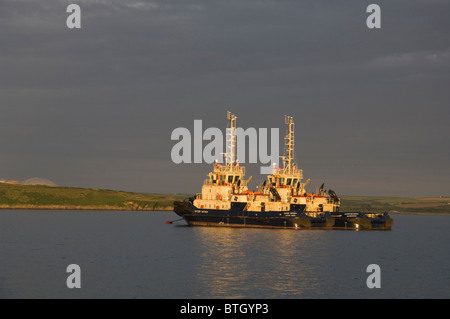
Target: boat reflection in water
{"points": [[250, 263]]}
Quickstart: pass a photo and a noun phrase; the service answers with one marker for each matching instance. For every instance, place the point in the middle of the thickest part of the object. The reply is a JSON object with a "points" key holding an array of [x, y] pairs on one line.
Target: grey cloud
{"points": [[76, 102]]}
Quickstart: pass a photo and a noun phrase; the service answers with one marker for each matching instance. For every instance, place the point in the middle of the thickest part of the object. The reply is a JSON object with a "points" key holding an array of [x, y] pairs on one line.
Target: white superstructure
{"points": [[282, 191]]}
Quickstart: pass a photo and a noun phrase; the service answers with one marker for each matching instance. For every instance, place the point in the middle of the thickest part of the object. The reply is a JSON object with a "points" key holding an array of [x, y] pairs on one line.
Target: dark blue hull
{"points": [[296, 218], [238, 217], [363, 221]]}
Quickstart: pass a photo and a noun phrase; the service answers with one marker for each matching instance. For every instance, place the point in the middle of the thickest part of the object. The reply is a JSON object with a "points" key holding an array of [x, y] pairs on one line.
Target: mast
{"points": [[230, 174], [288, 159], [230, 155]]}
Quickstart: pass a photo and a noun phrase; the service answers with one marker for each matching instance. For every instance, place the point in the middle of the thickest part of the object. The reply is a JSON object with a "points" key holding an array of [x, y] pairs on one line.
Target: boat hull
{"points": [[363, 221], [294, 219], [238, 217]]}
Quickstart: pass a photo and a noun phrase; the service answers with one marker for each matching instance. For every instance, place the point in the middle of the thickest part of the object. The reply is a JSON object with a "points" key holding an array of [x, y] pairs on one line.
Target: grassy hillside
{"points": [[45, 197], [435, 205]]}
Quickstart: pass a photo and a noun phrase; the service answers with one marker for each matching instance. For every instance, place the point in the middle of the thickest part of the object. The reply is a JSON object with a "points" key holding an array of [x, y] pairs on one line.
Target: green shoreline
{"points": [[39, 197], [75, 198]]}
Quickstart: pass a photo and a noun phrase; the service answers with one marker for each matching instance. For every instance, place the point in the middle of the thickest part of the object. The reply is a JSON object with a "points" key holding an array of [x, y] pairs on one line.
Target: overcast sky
{"points": [[95, 107]]}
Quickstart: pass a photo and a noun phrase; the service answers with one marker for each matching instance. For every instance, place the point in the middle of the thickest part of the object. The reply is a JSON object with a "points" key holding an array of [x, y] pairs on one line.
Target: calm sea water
{"points": [[136, 255]]}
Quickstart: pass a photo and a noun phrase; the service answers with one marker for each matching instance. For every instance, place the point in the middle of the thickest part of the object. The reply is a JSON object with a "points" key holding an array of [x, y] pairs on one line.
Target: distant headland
{"points": [[30, 181], [21, 196]]}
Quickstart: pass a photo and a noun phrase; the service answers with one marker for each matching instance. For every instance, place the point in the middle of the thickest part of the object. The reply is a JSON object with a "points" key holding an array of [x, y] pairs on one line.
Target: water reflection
{"points": [[254, 263]]}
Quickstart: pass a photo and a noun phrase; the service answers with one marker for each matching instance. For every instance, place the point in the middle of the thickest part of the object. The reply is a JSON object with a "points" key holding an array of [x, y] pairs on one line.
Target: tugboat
{"points": [[281, 202]]}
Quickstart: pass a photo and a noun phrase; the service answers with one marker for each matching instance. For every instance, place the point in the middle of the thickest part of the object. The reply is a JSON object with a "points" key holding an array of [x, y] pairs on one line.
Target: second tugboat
{"points": [[282, 201]]}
